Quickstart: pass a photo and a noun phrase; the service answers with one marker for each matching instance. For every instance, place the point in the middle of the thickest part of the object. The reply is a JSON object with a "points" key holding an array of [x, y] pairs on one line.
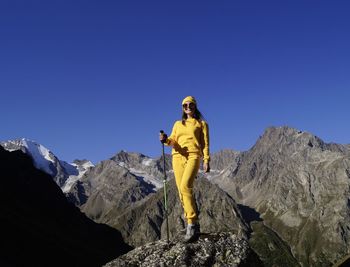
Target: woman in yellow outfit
{"points": [[190, 143]]}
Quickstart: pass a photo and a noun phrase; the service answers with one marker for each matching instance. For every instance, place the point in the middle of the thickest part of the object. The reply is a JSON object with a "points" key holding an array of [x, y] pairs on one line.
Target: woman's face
{"points": [[189, 108]]}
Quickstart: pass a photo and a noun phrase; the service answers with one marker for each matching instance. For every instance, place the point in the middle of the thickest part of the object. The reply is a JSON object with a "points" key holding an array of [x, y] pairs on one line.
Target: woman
{"points": [[190, 143]]}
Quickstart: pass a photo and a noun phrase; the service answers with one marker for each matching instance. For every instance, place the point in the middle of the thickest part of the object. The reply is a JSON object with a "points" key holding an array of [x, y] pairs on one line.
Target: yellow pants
{"points": [[185, 171]]}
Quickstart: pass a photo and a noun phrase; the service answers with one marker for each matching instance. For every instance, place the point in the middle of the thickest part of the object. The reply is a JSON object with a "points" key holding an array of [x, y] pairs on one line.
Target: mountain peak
{"points": [[288, 137], [42, 157], [125, 156], [46, 161], [286, 131]]}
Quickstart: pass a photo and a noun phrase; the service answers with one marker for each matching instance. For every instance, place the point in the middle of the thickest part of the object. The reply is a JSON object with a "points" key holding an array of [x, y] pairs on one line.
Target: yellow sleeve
{"points": [[205, 140], [172, 138]]}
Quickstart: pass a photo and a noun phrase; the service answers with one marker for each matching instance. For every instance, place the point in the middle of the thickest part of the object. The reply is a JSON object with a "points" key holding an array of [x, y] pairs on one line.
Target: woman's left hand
{"points": [[206, 167]]}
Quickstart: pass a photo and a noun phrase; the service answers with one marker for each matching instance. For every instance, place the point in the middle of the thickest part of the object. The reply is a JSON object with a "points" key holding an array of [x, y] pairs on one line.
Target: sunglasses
{"points": [[190, 106]]}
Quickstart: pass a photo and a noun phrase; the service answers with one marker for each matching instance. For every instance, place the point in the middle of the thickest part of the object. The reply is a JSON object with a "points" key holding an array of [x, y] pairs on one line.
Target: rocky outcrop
{"points": [[214, 249], [301, 187]]}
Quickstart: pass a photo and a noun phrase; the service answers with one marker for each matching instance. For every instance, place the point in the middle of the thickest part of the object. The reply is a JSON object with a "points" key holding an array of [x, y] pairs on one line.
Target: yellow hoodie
{"points": [[190, 137]]}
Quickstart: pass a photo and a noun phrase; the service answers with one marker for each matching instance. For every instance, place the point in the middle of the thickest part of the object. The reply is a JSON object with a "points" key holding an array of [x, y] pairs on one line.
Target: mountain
{"points": [[146, 221], [301, 187], [63, 173], [39, 227], [117, 183], [124, 189], [115, 193]]}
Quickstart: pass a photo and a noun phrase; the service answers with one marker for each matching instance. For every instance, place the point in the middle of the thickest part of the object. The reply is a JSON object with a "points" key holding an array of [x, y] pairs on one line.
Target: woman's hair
{"points": [[197, 115]]}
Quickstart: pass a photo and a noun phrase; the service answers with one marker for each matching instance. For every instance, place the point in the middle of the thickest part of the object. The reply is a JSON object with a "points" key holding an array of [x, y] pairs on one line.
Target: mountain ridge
{"points": [[39, 227], [63, 173], [299, 185]]}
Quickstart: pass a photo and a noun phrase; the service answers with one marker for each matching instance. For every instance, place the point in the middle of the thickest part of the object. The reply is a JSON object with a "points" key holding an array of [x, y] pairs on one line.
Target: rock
{"points": [[214, 249]]}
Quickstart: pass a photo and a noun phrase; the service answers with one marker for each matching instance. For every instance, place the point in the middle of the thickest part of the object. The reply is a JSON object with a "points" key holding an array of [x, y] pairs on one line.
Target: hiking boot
{"points": [[192, 233]]}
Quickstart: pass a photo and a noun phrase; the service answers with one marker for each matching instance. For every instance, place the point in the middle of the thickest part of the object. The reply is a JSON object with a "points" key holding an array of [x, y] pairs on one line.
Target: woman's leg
{"points": [[179, 163], [186, 188]]}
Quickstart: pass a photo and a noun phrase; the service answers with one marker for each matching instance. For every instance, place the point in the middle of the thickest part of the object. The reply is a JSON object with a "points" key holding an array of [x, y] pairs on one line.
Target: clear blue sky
{"points": [[89, 78]]}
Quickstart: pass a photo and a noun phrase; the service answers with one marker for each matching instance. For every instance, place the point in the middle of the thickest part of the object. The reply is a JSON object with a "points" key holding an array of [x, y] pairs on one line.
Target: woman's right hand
{"points": [[163, 137], [206, 167]]}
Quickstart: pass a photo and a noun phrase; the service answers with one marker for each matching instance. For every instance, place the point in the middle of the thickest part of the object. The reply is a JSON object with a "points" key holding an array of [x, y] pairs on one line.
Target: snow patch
{"points": [[147, 162], [122, 164], [147, 178], [41, 155], [69, 183], [80, 171]]}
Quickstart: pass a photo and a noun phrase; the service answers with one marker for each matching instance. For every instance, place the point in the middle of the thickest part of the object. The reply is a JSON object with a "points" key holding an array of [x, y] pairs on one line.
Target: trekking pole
{"points": [[165, 194]]}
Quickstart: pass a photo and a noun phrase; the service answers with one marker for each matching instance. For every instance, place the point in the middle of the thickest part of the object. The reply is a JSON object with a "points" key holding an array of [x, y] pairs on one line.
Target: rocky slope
{"points": [[39, 227], [222, 159], [300, 185], [216, 249], [146, 222], [220, 162]]}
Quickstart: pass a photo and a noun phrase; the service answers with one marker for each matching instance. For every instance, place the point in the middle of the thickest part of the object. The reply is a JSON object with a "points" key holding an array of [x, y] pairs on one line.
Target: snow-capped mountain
{"points": [[63, 173], [42, 157]]}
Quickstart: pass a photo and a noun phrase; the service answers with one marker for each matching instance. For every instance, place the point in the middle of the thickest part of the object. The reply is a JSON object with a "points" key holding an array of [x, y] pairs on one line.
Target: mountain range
{"points": [[288, 195]]}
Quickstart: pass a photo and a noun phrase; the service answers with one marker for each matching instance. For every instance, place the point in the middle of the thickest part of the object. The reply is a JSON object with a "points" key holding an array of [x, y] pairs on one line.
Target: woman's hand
{"points": [[206, 167], [162, 137]]}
